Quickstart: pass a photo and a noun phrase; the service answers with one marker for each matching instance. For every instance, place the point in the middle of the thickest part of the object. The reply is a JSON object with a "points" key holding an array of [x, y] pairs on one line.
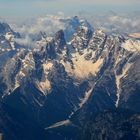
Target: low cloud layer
{"points": [[27, 42], [117, 23], [109, 22], [47, 24]]}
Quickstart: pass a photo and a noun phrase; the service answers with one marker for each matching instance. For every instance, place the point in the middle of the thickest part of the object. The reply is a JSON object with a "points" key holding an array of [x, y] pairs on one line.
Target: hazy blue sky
{"points": [[28, 8]]}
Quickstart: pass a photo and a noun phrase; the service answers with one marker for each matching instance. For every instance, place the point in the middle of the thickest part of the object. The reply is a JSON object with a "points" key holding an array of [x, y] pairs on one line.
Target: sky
{"points": [[31, 8]]}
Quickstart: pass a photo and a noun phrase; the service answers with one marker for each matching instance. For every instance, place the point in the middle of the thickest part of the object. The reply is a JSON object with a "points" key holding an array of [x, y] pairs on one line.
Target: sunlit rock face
{"points": [[61, 88]]}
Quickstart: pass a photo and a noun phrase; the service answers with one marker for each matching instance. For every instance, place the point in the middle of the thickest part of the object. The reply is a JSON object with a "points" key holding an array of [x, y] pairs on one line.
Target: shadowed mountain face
{"points": [[84, 89]]}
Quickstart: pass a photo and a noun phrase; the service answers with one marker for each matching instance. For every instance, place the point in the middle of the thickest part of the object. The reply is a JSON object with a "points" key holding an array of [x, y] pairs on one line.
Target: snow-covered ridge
{"points": [[82, 68], [132, 45]]}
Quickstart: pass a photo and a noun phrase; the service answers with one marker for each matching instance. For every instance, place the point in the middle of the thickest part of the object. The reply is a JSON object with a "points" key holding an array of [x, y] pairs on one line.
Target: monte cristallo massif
{"points": [[80, 83]]}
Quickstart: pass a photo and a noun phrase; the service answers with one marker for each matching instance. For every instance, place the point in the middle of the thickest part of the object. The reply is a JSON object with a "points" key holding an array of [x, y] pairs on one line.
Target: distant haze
{"points": [[30, 8]]}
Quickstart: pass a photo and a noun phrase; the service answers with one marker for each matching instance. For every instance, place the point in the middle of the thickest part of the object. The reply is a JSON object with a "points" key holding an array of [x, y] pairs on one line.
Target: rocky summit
{"points": [[78, 84]]}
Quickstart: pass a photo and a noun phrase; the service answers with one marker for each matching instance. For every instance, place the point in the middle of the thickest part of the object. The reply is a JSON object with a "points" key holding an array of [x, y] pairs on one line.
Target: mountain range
{"points": [[78, 84]]}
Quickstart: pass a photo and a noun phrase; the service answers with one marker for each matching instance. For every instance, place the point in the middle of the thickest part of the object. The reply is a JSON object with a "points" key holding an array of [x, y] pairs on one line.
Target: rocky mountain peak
{"points": [[4, 28], [81, 37], [60, 39]]}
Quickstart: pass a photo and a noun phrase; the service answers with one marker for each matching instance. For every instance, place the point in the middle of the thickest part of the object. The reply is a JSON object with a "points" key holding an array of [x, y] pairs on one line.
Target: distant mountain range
{"points": [[78, 84]]}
